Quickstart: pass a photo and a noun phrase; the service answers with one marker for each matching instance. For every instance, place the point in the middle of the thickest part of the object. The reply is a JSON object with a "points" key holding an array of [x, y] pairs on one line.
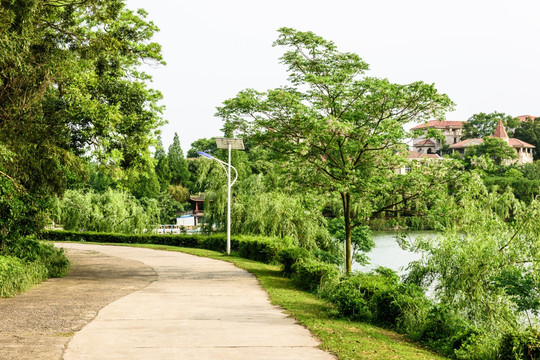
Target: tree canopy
{"points": [[529, 131], [71, 88], [177, 163], [208, 146], [496, 149], [70, 85], [482, 125], [335, 128]]}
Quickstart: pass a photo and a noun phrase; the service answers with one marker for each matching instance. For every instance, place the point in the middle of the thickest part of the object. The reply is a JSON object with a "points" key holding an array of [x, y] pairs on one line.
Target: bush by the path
{"points": [[26, 262], [16, 276], [380, 298]]}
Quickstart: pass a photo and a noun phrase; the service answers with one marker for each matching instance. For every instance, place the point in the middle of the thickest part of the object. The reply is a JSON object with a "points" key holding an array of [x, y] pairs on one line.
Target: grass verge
{"points": [[346, 339]]}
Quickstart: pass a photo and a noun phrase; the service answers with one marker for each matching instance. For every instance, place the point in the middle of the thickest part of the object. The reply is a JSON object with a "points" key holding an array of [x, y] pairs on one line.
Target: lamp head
{"points": [[206, 155]]}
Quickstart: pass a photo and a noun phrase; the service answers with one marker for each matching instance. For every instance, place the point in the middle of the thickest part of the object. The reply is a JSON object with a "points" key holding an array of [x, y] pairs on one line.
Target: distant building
{"points": [[187, 221], [451, 130], [415, 155], [523, 118], [523, 150]]}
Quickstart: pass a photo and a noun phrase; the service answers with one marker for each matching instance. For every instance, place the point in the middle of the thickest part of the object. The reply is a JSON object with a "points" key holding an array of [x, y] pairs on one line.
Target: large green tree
{"points": [[177, 163], [529, 131], [163, 170], [336, 129], [70, 86], [496, 149], [482, 125]]}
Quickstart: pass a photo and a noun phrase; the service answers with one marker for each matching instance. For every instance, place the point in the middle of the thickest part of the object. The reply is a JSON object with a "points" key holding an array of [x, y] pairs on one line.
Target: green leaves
{"points": [[495, 149], [482, 125], [484, 267], [70, 84], [334, 128]]}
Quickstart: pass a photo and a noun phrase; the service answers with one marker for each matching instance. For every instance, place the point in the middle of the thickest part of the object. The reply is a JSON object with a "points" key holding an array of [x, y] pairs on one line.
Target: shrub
{"points": [[349, 299], [379, 297], [309, 273], [520, 345], [289, 256], [255, 248], [445, 331], [16, 275], [357, 296], [413, 309], [30, 250], [259, 249]]}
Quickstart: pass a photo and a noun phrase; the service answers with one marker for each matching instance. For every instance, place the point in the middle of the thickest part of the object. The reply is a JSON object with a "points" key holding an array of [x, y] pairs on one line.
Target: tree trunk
{"points": [[346, 197]]}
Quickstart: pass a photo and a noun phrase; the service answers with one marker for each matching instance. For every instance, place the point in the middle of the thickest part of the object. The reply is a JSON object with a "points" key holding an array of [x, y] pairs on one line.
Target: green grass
{"points": [[17, 276], [346, 339]]}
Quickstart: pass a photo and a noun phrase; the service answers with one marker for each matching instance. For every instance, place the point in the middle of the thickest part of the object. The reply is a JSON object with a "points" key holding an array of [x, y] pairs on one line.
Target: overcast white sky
{"points": [[484, 54]]}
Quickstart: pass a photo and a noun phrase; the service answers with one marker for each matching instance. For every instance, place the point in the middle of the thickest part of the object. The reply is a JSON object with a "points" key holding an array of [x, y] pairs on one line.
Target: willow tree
{"points": [[335, 128]]}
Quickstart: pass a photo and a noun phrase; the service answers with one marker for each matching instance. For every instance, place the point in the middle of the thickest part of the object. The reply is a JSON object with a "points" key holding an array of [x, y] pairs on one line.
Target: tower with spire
{"points": [[500, 132], [523, 150]]}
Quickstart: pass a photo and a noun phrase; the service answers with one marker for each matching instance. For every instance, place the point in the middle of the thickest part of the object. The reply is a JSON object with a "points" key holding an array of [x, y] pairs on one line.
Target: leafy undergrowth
{"points": [[27, 262], [347, 339]]}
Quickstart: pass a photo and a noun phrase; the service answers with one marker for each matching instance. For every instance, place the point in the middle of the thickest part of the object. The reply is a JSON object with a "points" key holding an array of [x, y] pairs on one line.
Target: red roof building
{"points": [[523, 149], [451, 130], [526, 117], [440, 124]]}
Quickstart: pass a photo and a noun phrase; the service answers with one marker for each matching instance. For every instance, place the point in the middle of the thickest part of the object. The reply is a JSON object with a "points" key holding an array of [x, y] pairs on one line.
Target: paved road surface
{"points": [[198, 308]]}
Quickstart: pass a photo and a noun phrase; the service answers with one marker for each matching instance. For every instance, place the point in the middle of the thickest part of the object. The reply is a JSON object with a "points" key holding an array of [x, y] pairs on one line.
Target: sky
{"points": [[484, 54]]}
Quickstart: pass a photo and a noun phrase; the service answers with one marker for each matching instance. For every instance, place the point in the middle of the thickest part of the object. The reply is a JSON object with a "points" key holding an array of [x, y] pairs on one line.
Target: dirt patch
{"points": [[39, 323]]}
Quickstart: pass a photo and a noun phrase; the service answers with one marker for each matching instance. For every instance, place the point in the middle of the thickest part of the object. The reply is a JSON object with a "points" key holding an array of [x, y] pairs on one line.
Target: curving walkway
{"points": [[198, 308]]}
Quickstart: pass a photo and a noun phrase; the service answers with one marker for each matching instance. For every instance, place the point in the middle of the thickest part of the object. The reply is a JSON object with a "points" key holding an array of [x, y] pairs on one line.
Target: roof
{"points": [[466, 143], [440, 124], [500, 131], [526, 117], [417, 155], [519, 143], [427, 142], [196, 197], [516, 143]]}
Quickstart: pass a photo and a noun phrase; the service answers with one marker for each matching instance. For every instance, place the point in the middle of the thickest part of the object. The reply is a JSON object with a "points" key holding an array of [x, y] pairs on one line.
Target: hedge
{"points": [[250, 247]]}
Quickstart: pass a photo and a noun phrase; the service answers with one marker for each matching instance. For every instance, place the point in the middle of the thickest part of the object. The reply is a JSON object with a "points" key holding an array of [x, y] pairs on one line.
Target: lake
{"points": [[387, 252]]}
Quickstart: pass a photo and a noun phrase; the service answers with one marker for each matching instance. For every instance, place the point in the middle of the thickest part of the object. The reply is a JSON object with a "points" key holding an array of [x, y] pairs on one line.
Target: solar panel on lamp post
{"points": [[227, 143]]}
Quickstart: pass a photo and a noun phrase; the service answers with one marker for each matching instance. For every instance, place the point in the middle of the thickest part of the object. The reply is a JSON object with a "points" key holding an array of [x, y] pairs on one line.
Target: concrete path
{"points": [[198, 308]]}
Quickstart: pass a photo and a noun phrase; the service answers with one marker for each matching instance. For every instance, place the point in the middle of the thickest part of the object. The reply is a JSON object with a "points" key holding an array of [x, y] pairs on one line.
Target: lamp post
{"points": [[227, 143]]}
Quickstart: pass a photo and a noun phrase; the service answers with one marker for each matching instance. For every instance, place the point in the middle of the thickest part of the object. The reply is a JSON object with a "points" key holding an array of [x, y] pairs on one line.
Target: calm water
{"points": [[387, 252]]}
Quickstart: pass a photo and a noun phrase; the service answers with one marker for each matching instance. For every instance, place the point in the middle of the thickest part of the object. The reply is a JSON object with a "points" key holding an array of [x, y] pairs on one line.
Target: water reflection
{"points": [[387, 252]]}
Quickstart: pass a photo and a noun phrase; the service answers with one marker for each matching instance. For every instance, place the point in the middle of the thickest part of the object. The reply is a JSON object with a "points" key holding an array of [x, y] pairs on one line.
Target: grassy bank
{"points": [[27, 262], [348, 340]]}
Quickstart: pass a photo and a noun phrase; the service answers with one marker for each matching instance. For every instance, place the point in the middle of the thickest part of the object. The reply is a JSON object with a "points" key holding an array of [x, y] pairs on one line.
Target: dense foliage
{"points": [[335, 128], [482, 125], [109, 211], [69, 84], [28, 262], [529, 131], [70, 89]]}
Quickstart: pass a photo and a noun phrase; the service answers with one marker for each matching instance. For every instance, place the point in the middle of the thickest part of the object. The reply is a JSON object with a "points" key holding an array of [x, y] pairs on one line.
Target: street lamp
{"points": [[227, 143]]}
